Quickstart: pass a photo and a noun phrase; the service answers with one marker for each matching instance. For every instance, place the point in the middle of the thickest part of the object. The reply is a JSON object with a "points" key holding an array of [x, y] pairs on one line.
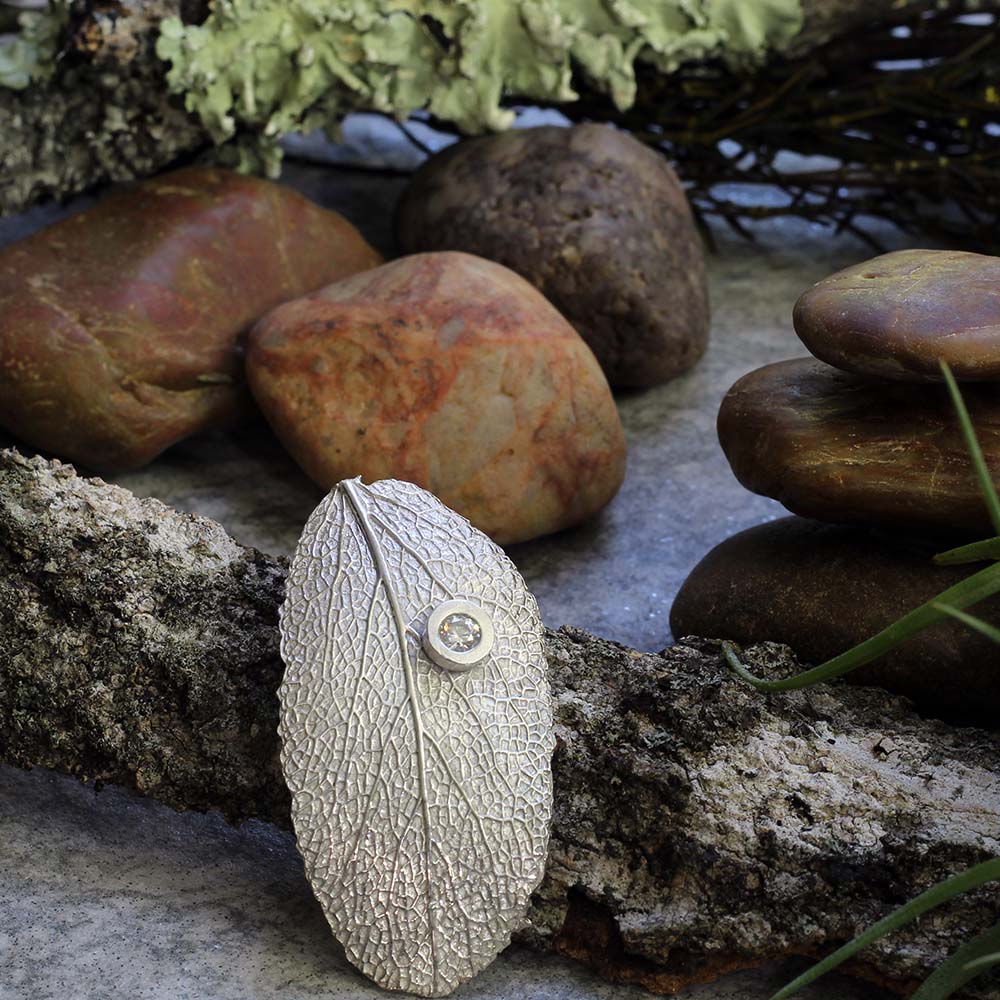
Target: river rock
{"points": [[453, 373], [838, 447], [898, 316], [822, 589], [120, 325], [590, 216]]}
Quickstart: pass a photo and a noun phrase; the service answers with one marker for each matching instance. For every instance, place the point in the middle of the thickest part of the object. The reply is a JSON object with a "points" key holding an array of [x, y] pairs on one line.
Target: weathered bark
{"points": [[698, 826], [107, 114]]}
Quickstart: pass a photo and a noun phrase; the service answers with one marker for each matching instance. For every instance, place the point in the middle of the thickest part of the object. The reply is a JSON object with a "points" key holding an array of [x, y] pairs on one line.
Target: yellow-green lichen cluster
{"points": [[30, 56], [256, 69], [261, 68]]}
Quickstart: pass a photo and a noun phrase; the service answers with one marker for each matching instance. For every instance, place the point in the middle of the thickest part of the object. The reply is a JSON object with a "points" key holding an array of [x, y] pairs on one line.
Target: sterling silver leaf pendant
{"points": [[416, 734]]}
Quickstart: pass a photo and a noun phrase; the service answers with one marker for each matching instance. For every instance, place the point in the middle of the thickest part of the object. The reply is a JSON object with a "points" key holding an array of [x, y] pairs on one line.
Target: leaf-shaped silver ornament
{"points": [[421, 787]]}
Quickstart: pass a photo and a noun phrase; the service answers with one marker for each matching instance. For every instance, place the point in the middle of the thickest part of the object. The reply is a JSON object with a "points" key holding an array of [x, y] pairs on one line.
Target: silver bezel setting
{"points": [[450, 659]]}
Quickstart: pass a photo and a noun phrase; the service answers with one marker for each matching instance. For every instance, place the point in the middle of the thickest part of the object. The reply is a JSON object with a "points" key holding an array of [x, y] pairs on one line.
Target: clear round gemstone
{"points": [[460, 632]]}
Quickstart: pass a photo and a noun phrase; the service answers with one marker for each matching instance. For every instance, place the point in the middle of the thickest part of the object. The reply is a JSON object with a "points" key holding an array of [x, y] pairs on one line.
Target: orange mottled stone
{"points": [[453, 373], [120, 326]]}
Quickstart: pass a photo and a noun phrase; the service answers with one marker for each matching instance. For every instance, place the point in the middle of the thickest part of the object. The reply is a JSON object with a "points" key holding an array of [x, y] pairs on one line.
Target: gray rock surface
{"points": [[116, 896]]}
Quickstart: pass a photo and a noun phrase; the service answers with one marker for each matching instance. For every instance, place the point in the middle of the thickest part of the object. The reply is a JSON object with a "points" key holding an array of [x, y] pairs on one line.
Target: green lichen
{"points": [[259, 68], [30, 56]]}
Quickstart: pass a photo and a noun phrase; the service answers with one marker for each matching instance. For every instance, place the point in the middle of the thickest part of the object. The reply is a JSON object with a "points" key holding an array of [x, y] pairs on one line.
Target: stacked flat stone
{"points": [[874, 439], [864, 434]]}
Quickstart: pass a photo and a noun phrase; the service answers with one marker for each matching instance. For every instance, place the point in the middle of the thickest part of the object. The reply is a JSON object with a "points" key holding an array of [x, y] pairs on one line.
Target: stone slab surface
{"points": [[112, 896]]}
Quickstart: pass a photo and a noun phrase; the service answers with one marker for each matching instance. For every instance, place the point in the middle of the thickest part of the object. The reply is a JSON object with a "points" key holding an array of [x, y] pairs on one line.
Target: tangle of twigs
{"points": [[900, 120]]}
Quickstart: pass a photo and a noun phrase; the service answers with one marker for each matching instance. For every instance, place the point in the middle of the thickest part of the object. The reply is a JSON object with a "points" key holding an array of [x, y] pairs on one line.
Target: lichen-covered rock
{"points": [[839, 447], [824, 588], [95, 106], [898, 316], [594, 219], [120, 325], [450, 372]]}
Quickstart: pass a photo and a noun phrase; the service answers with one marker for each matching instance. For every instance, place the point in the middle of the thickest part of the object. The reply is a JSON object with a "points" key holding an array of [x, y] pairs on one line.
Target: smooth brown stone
{"points": [[822, 589], [898, 316], [120, 326], [453, 373], [597, 221], [839, 447]]}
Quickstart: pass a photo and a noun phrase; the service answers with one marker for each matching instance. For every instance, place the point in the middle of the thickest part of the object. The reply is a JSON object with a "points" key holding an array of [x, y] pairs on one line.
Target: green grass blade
{"points": [[985, 961], [961, 595], [985, 628], [989, 491], [973, 552], [968, 961], [972, 878]]}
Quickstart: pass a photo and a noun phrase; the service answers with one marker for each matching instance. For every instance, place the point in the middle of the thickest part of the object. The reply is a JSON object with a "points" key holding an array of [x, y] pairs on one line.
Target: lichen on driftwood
{"points": [[698, 825], [118, 89], [106, 114], [115, 89]]}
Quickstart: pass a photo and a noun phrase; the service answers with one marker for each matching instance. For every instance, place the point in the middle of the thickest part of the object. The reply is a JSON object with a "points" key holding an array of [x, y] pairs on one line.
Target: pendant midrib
{"points": [[351, 490]]}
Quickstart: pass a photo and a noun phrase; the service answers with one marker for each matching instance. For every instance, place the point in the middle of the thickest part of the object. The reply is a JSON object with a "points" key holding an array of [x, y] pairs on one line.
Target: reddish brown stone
{"points": [[898, 316], [822, 589], [453, 373], [597, 221], [119, 326], [839, 447]]}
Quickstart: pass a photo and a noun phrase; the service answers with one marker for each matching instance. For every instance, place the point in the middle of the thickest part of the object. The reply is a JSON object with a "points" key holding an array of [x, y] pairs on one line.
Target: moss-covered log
{"points": [[698, 826]]}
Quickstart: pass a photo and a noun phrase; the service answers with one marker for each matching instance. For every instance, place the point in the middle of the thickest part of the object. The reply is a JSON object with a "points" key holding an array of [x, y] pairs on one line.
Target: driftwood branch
{"points": [[699, 826], [107, 113]]}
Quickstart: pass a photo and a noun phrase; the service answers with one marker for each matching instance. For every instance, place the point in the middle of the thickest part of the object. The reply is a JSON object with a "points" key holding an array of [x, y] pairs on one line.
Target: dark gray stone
{"points": [[824, 588], [597, 221]]}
